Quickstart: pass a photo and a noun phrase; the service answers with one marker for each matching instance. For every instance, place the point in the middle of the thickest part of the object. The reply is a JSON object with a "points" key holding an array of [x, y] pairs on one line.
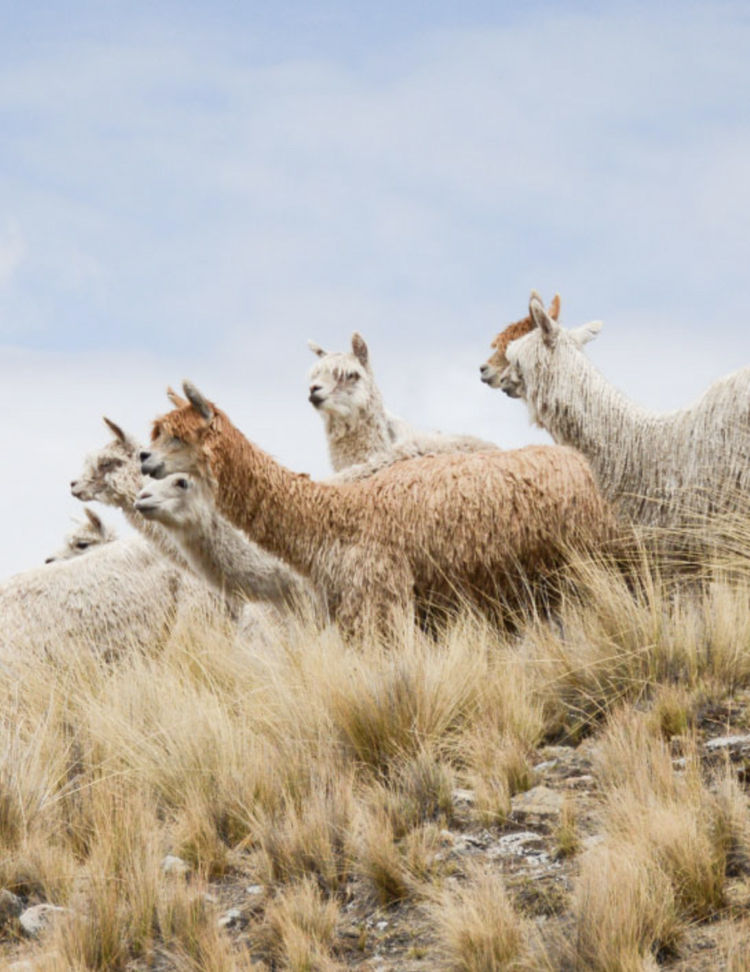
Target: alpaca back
{"points": [[122, 594]]}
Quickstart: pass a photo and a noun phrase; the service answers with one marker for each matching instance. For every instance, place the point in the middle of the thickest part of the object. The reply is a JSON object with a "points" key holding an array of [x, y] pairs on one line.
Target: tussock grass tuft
{"points": [[478, 928]]}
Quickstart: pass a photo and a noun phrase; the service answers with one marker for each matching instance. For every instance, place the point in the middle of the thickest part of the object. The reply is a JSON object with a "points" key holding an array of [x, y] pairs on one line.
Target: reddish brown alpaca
{"points": [[433, 530], [498, 359]]}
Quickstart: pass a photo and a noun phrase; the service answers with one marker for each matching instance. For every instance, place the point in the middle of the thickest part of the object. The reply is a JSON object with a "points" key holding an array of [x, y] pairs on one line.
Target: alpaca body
{"points": [[666, 470], [208, 546], [218, 551], [434, 530], [362, 436], [119, 595]]}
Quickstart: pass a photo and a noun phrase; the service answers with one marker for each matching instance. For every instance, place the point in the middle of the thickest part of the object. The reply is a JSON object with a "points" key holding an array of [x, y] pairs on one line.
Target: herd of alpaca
{"points": [[410, 524]]}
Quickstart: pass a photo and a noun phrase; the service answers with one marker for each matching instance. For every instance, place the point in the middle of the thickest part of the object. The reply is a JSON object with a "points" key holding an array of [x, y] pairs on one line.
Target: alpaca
{"points": [[112, 475], [668, 470], [427, 532], [87, 536], [208, 546], [362, 436], [117, 596], [498, 361], [215, 549]]}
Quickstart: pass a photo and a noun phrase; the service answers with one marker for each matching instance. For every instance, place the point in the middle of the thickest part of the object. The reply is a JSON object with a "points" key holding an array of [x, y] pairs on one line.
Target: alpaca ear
{"points": [[177, 400], [115, 429], [359, 349], [549, 328], [199, 403], [585, 333], [554, 308], [316, 349], [94, 520]]}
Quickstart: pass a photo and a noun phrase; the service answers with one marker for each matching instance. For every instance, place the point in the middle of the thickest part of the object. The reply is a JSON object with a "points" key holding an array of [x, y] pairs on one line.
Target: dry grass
{"points": [[477, 927], [322, 770]]}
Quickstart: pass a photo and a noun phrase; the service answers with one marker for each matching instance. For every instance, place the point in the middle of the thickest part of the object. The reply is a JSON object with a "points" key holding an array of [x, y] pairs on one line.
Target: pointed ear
{"points": [[316, 349], [554, 308], [94, 520], [585, 333], [199, 403], [549, 328], [359, 349], [115, 429], [177, 400]]}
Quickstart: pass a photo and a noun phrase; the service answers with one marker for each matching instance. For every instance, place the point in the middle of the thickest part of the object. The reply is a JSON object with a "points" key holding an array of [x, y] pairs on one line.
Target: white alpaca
{"points": [[118, 596], [668, 470], [86, 536], [205, 544], [112, 475], [216, 550], [362, 436]]}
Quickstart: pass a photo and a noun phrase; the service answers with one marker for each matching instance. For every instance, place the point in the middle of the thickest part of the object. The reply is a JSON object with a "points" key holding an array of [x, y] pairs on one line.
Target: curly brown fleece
{"points": [[423, 532]]}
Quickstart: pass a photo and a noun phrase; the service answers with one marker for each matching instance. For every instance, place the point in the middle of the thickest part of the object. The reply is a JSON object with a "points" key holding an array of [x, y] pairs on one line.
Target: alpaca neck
{"points": [[283, 512], [354, 440], [575, 404]]}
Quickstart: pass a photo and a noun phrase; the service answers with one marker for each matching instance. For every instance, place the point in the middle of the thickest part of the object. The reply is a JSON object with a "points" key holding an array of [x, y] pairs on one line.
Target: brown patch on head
{"points": [[179, 438], [512, 332]]}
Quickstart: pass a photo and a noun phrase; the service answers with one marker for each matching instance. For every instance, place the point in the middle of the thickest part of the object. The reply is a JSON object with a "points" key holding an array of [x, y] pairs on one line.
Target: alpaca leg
{"points": [[378, 596]]}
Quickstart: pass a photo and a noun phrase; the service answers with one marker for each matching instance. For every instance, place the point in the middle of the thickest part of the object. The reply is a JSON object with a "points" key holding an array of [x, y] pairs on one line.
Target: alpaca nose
{"points": [[50, 560], [143, 456], [315, 397], [483, 369]]}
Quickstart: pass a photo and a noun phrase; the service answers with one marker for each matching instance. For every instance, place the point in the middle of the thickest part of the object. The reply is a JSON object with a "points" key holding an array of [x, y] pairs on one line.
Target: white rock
{"points": [[174, 865], [38, 918]]}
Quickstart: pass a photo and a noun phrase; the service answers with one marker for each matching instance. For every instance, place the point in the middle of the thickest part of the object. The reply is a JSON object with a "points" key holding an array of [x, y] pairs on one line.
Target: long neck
{"points": [[123, 496], [568, 397], [283, 512], [220, 553], [355, 440]]}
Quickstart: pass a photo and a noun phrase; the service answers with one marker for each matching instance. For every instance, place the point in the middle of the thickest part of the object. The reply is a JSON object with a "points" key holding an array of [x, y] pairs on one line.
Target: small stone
{"points": [[11, 906], [381, 925], [737, 745], [539, 804], [175, 865], [255, 889], [463, 796], [38, 918], [232, 919]]}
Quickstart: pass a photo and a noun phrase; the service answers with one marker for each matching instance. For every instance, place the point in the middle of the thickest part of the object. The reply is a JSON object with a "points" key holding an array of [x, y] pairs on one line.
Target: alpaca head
{"points": [[176, 500], [342, 385], [178, 438], [496, 364], [540, 349], [111, 473], [87, 535]]}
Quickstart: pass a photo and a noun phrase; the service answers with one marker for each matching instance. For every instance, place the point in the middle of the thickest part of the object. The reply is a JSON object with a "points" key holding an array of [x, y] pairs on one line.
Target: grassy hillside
{"points": [[547, 798]]}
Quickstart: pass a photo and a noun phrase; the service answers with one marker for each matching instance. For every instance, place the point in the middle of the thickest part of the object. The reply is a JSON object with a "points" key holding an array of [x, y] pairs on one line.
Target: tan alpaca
{"points": [[84, 538], [428, 531]]}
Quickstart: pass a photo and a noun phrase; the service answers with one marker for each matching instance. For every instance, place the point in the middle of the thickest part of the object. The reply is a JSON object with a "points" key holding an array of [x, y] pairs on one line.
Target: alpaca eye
{"points": [[82, 545], [182, 483], [353, 376], [175, 441]]}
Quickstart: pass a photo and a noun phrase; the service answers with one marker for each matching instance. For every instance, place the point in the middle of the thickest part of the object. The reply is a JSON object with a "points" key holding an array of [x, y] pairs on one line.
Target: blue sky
{"points": [[194, 190]]}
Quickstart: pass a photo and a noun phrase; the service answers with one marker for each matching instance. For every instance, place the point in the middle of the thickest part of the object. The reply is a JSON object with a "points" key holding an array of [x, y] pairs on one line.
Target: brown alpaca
{"points": [[426, 532], [498, 359]]}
